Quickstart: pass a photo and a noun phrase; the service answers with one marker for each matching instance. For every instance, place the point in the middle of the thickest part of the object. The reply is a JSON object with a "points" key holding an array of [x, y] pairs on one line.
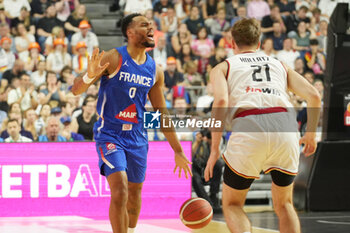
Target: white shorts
{"points": [[263, 143]]}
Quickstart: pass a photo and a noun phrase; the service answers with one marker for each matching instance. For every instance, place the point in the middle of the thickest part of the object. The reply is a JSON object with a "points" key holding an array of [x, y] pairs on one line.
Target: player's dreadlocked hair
{"points": [[126, 21]]}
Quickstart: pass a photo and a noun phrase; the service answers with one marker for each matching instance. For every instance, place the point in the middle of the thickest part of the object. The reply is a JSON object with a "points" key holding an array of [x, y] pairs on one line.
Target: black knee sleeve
{"points": [[281, 179], [235, 181]]}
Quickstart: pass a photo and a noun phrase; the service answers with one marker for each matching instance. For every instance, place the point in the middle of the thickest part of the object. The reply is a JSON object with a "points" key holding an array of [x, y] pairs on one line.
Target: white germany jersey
{"points": [[256, 81]]}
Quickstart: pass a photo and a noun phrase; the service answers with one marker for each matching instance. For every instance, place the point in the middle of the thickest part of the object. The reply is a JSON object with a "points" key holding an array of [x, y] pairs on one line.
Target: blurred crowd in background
{"points": [[45, 44]]}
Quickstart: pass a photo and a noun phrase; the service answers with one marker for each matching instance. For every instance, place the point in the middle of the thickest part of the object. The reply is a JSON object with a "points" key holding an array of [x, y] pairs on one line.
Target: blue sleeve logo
{"points": [[151, 120]]}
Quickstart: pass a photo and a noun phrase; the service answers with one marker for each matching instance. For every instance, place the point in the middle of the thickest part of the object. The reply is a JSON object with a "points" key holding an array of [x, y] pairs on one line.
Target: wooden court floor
{"points": [[262, 218]]}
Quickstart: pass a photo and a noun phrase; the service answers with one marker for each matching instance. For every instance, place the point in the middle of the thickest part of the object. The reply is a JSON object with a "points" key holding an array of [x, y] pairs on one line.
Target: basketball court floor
{"points": [[263, 220]]}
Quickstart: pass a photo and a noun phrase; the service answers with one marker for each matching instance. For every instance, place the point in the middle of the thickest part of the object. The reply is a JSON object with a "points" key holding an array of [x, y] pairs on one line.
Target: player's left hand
{"points": [[310, 143], [182, 163], [208, 172]]}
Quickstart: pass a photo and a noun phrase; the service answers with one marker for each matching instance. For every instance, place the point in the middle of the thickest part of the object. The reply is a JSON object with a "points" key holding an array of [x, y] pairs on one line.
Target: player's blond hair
{"points": [[246, 32]]}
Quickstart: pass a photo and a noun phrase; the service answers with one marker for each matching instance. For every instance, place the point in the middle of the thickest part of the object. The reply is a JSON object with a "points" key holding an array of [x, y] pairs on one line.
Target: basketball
{"points": [[196, 213]]}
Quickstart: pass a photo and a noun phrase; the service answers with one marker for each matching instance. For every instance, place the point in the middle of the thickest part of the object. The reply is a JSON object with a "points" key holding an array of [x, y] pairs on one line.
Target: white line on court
{"points": [[333, 222]]}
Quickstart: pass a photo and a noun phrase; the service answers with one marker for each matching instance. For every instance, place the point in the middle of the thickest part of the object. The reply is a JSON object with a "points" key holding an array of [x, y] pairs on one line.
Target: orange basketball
{"points": [[196, 213]]}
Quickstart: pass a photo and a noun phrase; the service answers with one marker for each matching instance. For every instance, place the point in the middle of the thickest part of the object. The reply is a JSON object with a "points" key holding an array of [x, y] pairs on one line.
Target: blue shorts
{"points": [[123, 151]]}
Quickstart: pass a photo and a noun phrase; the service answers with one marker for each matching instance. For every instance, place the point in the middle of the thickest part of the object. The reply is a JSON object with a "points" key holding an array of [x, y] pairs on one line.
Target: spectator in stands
{"points": [[287, 54], [57, 33], [183, 36], [185, 55], [203, 47], [14, 129], [23, 38], [257, 9], [80, 60], [6, 44], [18, 117], [52, 131], [87, 119], [322, 36], [315, 60], [194, 21], [299, 66], [200, 155], [226, 42], [63, 9], [309, 76], [171, 76], [25, 19], [45, 112], [32, 57], [241, 13], [278, 36], [38, 77], [25, 94], [293, 21], [59, 58], [268, 21], [301, 40], [318, 84], [4, 90], [209, 9], [92, 90], [73, 21], [29, 122], [46, 24], [219, 26], [137, 6], [38, 9], [13, 7], [53, 91], [267, 48], [232, 8], [169, 22], [286, 7], [85, 35], [67, 131], [161, 52], [218, 57], [5, 32], [183, 8], [191, 76], [3, 61], [161, 7], [66, 78], [3, 15]]}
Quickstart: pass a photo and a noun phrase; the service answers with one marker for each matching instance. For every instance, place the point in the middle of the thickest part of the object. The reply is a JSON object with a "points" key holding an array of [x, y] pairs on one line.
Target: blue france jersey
{"points": [[123, 94]]}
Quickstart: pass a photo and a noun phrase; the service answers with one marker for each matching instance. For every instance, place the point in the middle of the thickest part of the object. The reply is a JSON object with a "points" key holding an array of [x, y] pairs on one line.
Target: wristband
{"points": [[86, 79]]}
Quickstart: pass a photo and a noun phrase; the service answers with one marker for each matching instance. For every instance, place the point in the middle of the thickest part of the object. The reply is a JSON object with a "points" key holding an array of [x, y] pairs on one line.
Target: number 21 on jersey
{"points": [[257, 70]]}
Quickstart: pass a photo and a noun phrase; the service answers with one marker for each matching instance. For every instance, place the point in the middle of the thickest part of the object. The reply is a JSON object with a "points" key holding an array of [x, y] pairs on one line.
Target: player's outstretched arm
{"points": [[220, 88], [158, 102], [98, 64], [301, 87]]}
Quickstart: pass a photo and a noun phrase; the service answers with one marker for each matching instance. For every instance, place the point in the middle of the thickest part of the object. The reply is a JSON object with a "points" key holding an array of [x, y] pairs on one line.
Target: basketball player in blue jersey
{"points": [[128, 74]]}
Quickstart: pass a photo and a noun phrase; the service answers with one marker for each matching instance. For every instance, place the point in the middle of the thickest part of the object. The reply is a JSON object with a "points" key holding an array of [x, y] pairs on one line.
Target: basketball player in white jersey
{"points": [[264, 130]]}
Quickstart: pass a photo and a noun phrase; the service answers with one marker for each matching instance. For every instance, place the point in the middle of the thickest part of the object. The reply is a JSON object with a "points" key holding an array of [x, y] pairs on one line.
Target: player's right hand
{"points": [[310, 144], [208, 172], [94, 64]]}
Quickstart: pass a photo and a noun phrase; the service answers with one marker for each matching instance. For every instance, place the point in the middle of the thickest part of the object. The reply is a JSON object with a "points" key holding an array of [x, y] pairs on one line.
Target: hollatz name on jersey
{"points": [[266, 90], [135, 78], [254, 59]]}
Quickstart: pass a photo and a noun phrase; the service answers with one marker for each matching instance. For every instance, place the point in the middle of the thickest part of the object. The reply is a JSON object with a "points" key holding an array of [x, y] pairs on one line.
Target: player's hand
{"points": [[182, 163], [208, 172], [94, 64], [310, 144]]}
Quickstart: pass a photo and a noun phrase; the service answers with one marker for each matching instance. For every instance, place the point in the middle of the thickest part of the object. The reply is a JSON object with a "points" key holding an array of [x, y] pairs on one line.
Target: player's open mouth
{"points": [[150, 36]]}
